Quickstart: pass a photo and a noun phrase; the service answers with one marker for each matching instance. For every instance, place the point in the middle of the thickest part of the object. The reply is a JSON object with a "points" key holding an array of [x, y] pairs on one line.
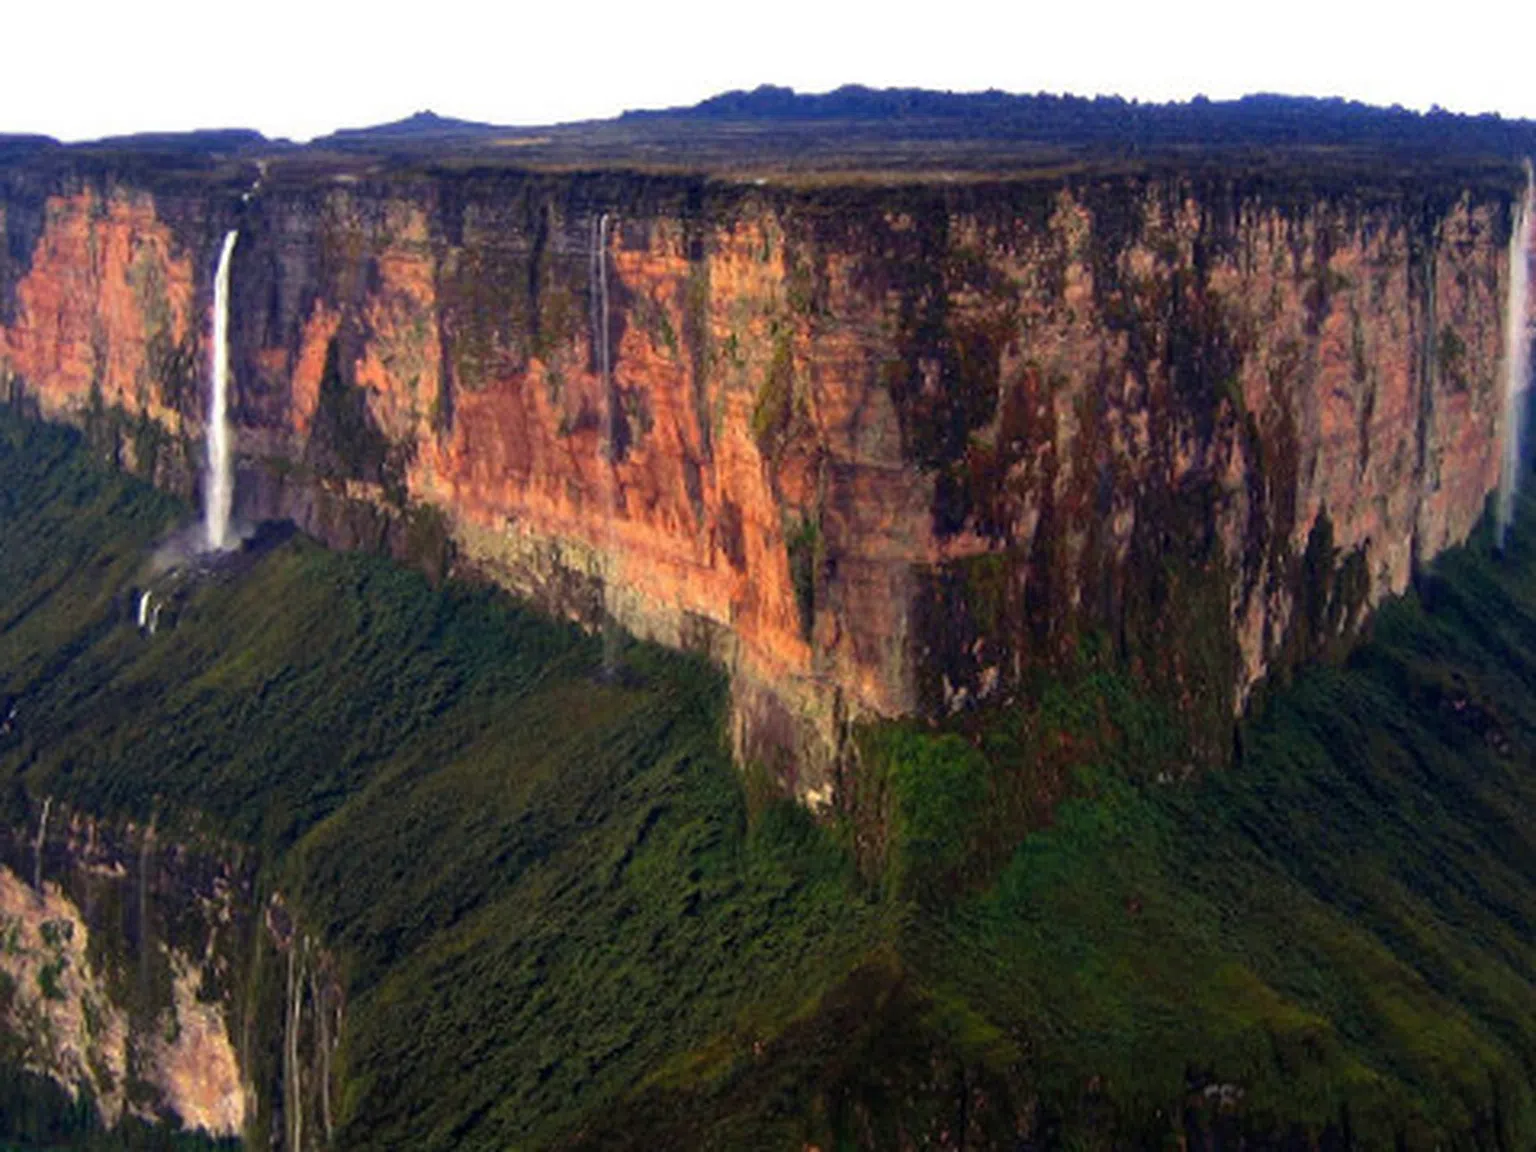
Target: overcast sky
{"points": [[301, 68]]}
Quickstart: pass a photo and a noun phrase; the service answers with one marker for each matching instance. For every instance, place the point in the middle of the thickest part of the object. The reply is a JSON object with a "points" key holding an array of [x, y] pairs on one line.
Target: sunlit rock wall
{"points": [[878, 451]]}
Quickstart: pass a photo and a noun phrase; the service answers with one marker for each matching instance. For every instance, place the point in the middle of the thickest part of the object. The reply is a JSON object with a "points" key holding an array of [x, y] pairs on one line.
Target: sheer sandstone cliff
{"points": [[879, 451]]}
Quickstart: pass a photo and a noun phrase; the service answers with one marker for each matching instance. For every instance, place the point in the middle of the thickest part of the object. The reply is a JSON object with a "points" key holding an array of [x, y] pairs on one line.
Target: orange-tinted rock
{"points": [[105, 306], [825, 411]]}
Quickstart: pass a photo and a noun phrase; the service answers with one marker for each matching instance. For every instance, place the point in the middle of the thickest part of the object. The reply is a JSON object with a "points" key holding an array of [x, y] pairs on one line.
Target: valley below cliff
{"points": [[337, 859]]}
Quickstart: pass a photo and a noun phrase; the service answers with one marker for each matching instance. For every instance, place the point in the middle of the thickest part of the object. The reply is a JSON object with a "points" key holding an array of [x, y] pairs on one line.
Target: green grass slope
{"points": [[560, 922]]}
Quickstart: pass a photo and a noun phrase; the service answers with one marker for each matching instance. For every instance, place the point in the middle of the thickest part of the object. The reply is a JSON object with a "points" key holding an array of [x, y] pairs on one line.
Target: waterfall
{"points": [[37, 849], [219, 482], [293, 1072], [323, 1043], [1517, 358], [606, 449], [600, 321], [149, 612], [143, 885]]}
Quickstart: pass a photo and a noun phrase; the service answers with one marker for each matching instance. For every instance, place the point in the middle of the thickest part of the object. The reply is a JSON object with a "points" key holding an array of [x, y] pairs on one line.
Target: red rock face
{"points": [[877, 454], [104, 310]]}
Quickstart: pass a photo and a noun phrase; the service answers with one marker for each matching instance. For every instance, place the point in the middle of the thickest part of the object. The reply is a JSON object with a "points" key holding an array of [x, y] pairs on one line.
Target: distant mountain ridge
{"points": [[1100, 124], [425, 123], [1263, 118]]}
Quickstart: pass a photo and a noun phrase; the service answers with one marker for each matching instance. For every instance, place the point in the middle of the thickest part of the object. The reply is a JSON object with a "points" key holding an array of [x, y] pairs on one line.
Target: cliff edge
{"points": [[877, 448]]}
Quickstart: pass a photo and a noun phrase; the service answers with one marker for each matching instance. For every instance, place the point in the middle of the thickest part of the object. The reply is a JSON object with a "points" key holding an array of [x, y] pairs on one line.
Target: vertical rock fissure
{"points": [[1517, 358], [1428, 479]]}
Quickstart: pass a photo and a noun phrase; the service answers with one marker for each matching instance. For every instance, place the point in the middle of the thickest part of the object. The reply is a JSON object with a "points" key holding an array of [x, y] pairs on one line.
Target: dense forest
{"points": [[567, 920]]}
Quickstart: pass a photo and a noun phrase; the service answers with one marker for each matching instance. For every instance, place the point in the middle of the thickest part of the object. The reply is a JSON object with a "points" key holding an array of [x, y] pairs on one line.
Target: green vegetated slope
{"points": [[1332, 943], [539, 882], [562, 922]]}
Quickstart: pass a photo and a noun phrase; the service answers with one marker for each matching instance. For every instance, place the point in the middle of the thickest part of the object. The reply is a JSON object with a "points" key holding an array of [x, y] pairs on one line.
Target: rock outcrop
{"points": [[879, 451], [139, 972]]}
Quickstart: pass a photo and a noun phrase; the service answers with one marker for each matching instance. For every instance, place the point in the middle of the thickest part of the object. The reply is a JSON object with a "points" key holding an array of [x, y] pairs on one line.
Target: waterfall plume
{"points": [[219, 480], [1517, 358], [607, 448], [600, 318]]}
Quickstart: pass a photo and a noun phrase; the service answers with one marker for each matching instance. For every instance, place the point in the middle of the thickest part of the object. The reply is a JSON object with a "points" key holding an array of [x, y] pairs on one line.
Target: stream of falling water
{"points": [[146, 842], [322, 1013], [607, 443], [293, 1073], [1517, 358], [149, 613], [219, 482], [37, 849]]}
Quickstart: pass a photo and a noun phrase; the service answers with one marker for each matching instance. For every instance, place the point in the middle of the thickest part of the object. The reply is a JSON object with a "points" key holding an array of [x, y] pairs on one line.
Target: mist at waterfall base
{"points": [[1517, 359]]}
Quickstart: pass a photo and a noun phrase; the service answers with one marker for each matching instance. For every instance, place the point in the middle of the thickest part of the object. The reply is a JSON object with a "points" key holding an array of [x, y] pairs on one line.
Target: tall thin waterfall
{"points": [[608, 444], [37, 848], [1517, 358], [219, 481], [600, 320], [293, 1071]]}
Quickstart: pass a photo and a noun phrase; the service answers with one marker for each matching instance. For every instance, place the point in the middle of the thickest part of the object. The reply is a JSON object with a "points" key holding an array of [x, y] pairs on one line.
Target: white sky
{"points": [[301, 68]]}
